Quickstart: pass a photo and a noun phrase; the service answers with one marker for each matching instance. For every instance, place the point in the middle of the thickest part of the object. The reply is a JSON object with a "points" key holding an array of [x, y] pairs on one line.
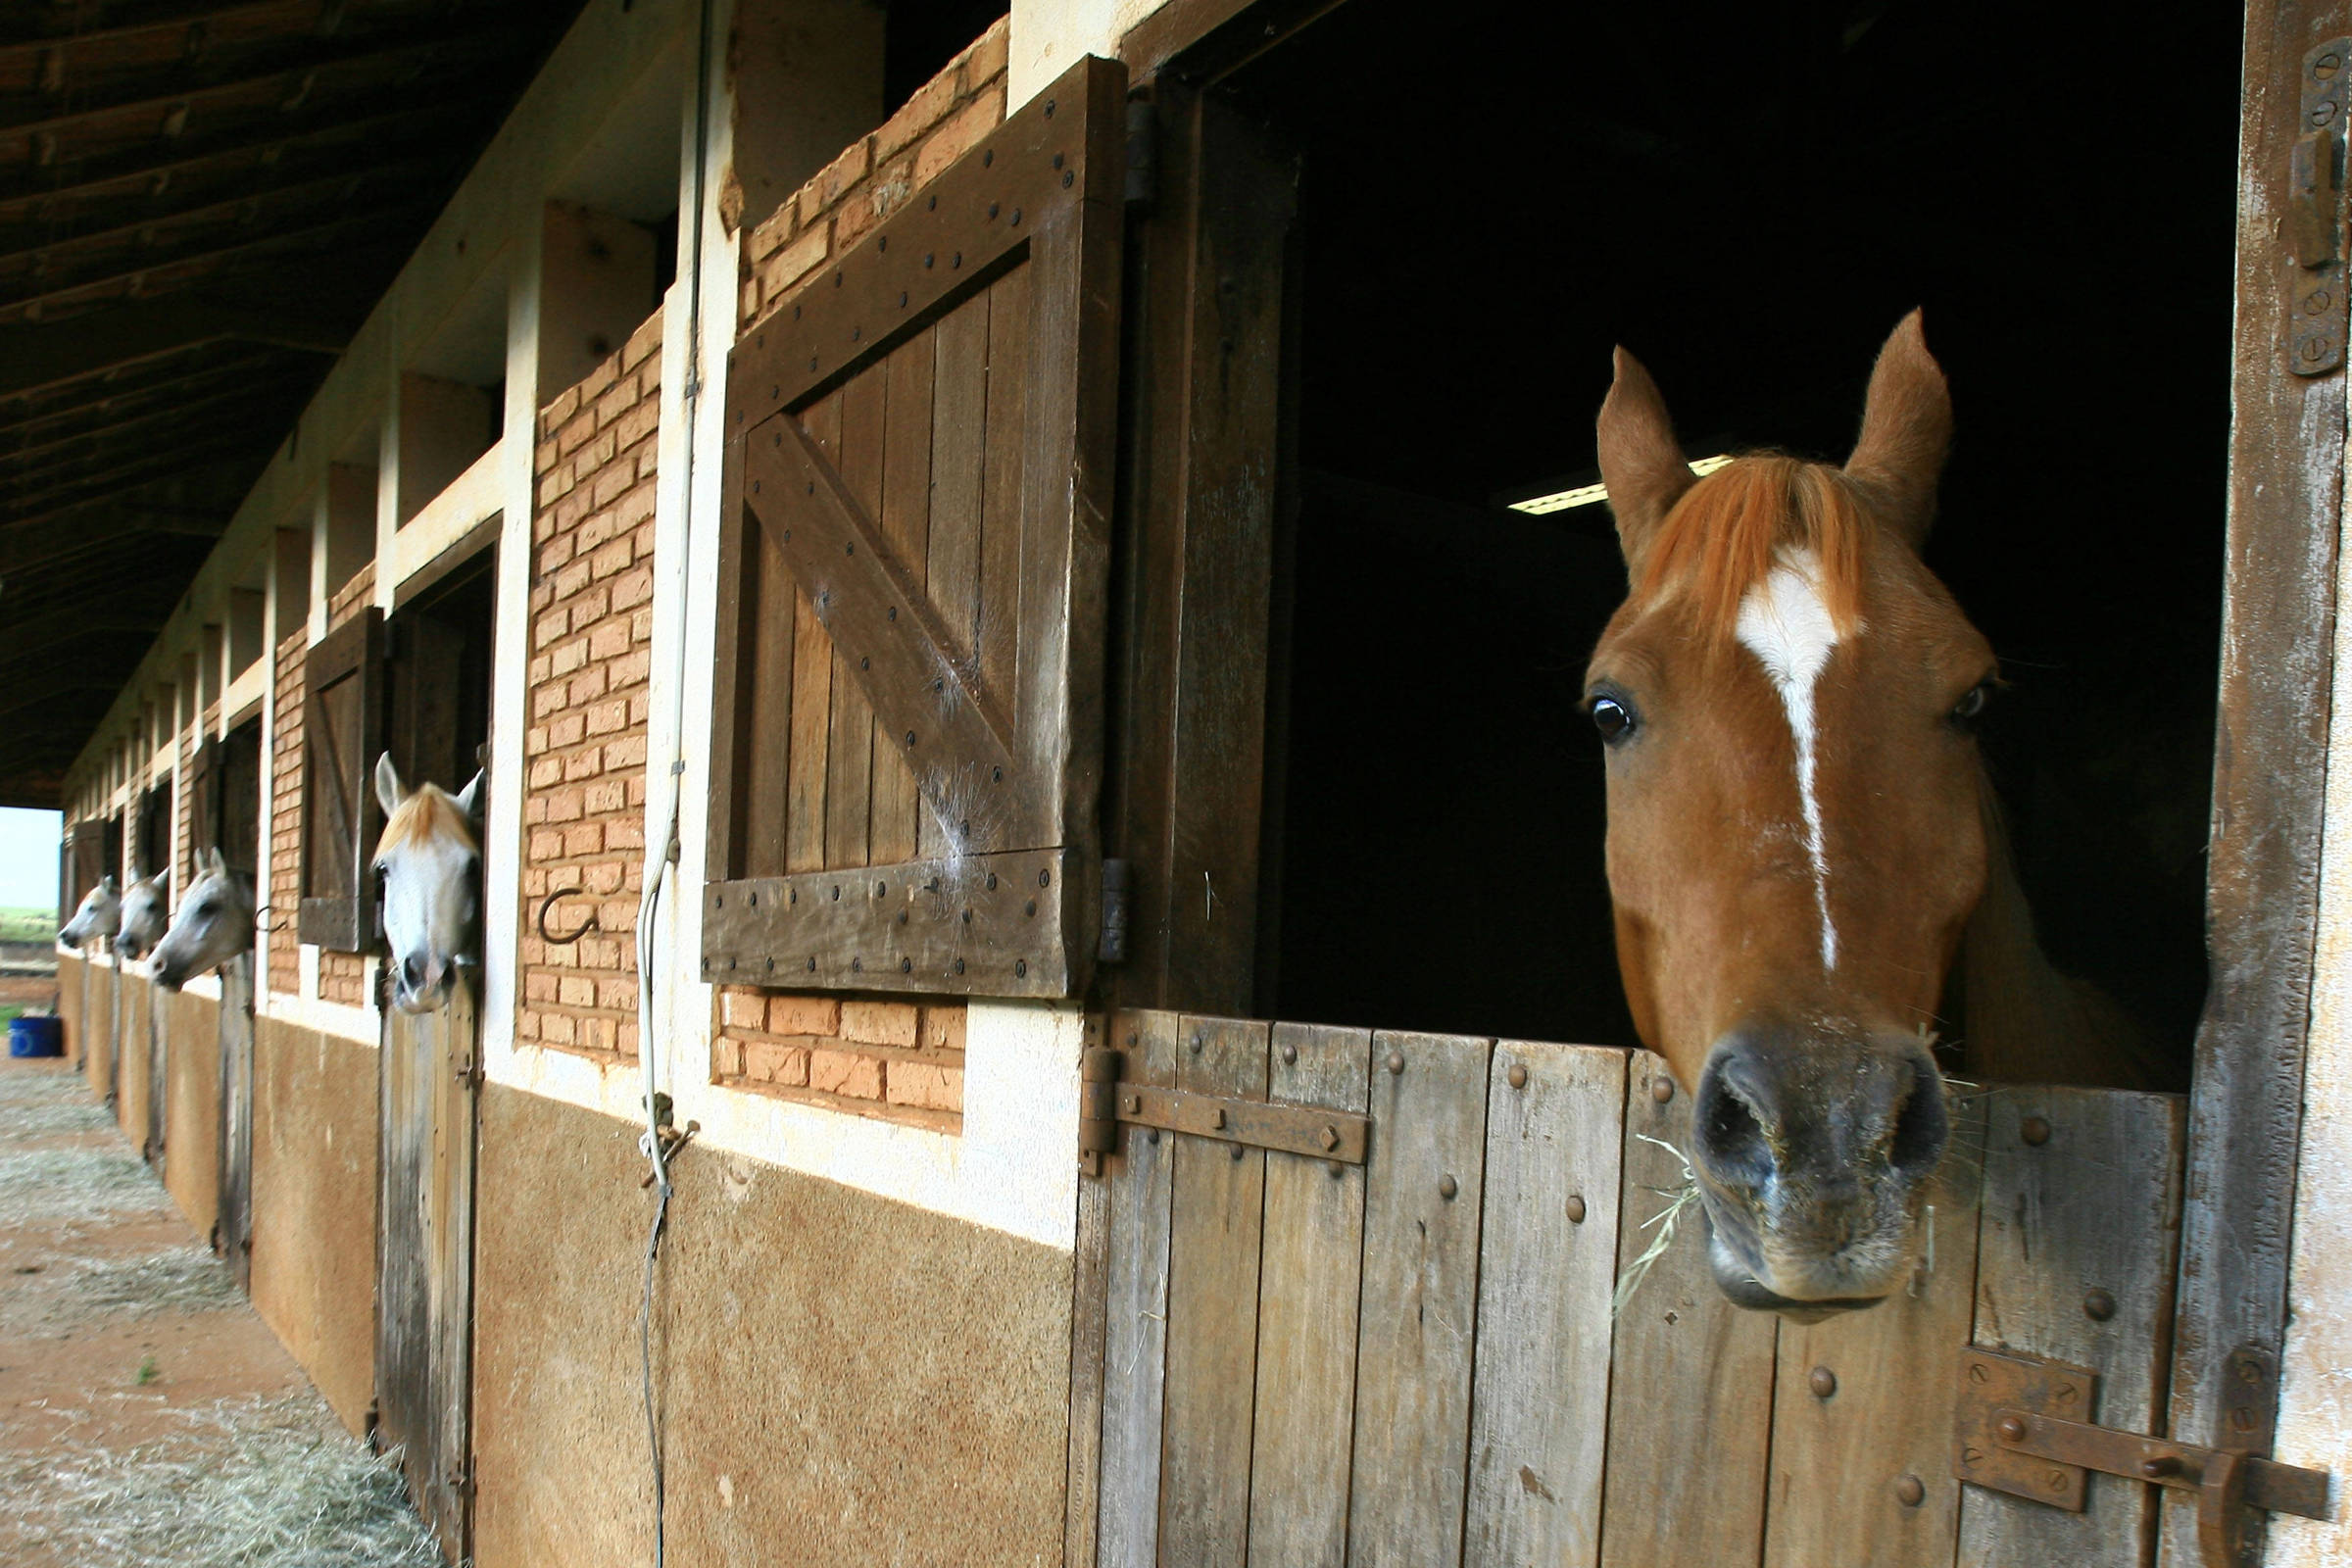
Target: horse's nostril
{"points": [[1920, 1129], [1731, 1139], [411, 969]]}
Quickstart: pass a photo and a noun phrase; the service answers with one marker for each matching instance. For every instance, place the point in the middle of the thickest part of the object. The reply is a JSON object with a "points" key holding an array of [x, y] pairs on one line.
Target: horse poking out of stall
{"points": [[214, 925], [98, 916], [1802, 842], [146, 913], [431, 865]]}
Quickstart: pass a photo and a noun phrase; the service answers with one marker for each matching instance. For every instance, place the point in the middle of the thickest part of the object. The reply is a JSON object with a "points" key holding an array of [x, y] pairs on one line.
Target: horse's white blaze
{"points": [[1785, 624]]}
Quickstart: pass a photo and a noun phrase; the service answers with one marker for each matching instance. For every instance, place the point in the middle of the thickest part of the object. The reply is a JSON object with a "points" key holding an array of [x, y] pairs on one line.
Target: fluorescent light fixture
{"points": [[1584, 495]]}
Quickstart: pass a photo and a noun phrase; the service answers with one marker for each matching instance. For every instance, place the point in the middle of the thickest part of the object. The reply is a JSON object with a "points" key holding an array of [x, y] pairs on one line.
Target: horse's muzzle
{"points": [[1813, 1154]]}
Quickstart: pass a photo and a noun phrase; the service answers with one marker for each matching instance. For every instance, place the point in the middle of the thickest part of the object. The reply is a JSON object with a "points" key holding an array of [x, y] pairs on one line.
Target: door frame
{"points": [[2284, 508]]}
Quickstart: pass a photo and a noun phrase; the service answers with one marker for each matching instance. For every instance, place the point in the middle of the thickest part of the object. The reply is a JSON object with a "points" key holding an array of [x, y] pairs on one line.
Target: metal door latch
{"points": [[2021, 1425], [1338, 1136]]}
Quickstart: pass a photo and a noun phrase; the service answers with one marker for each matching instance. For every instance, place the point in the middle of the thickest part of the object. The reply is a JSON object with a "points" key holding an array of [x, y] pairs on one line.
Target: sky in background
{"points": [[28, 843]]}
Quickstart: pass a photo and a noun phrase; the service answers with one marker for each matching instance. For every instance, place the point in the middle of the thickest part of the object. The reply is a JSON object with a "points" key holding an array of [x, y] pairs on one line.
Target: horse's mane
{"points": [[429, 813], [1725, 534]]}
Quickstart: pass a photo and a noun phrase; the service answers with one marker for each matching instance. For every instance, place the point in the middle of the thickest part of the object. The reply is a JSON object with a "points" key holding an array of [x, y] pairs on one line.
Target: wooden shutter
{"points": [[233, 807], [342, 731], [86, 864], [908, 739], [202, 780]]}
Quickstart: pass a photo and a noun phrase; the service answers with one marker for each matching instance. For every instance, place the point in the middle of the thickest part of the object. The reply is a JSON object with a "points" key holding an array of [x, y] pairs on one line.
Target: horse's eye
{"points": [[206, 908], [1611, 717], [1969, 707]]}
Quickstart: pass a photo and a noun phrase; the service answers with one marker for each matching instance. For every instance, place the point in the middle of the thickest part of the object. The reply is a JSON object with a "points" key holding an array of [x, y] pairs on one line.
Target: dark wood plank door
{"points": [[158, 1076], [424, 1258], [236, 1113], [908, 733]]}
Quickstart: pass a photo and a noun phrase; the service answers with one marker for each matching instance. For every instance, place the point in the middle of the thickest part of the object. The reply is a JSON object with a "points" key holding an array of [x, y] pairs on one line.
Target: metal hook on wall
{"points": [[548, 904]]}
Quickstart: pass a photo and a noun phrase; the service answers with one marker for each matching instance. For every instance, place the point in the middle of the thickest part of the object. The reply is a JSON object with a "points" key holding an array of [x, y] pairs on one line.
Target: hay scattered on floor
{"points": [[49, 1184], [180, 1280], [242, 1484]]}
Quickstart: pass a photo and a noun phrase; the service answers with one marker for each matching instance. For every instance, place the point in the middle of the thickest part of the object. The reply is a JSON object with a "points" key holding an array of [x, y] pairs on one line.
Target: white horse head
{"points": [[99, 914], [146, 911], [430, 862], [214, 925]]}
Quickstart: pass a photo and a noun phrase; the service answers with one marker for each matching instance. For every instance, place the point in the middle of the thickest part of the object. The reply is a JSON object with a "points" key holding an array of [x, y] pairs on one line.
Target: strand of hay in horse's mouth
{"points": [[1666, 1220]]}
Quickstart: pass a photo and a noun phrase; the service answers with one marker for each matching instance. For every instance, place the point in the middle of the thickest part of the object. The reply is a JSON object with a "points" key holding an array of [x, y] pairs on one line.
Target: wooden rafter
{"points": [[235, 208], [182, 413], [102, 398], [316, 233], [58, 354]]}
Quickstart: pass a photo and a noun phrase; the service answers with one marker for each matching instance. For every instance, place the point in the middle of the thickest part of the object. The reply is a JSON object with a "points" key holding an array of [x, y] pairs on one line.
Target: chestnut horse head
{"points": [[1797, 831]]}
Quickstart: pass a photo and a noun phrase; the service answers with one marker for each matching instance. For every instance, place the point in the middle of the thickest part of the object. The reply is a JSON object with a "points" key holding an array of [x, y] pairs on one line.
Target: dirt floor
{"points": [[146, 1414]]}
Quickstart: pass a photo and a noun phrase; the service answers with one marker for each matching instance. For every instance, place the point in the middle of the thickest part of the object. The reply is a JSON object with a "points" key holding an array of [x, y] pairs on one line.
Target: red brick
{"points": [[840, 174], [986, 58], [587, 838], [572, 578], [929, 105], [794, 262], [564, 806], [613, 556], [632, 588], [767, 1062], [637, 504], [552, 418], [566, 658], [960, 134], [609, 640], [629, 668], [625, 833], [583, 765], [804, 1016], [627, 751], [846, 1072], [943, 1028], [926, 1085], [547, 846], [570, 730], [576, 991], [606, 795], [605, 717], [593, 383], [578, 431], [643, 343], [878, 1023], [616, 992], [726, 1057], [588, 685], [638, 423]]}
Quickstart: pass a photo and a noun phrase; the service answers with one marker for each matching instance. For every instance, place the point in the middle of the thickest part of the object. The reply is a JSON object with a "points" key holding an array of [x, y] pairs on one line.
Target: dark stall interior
{"points": [[1749, 197]]}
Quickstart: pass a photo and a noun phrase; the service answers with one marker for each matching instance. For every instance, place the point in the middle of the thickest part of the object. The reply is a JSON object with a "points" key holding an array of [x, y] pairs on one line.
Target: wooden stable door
{"points": [[424, 1258], [1413, 1360], [235, 1030]]}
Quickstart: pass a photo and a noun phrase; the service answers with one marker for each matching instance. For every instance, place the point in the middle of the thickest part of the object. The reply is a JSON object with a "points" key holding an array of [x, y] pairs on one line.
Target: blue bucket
{"points": [[32, 1034]]}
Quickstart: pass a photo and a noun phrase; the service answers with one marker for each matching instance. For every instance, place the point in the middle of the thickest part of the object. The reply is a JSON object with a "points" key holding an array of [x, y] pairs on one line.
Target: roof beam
{"points": [[399, 213], [102, 395], [53, 353], [373, 54], [230, 209], [182, 411], [26, 545], [206, 11], [60, 486]]}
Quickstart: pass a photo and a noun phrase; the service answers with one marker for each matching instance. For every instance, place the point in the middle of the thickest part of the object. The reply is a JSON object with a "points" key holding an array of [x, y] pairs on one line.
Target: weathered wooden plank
{"points": [[1090, 1281], [1690, 1374], [1003, 486], [1136, 1312], [233, 1027], [2271, 764], [2082, 1193], [849, 749], [1213, 1255], [763, 741], [1306, 1327], [905, 521], [1863, 1474], [1538, 1430], [958, 451], [812, 691], [1423, 1190]]}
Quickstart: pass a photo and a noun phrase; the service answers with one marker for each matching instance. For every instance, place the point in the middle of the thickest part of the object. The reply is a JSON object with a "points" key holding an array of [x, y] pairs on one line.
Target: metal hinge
{"points": [[1112, 947], [1338, 1136], [2317, 313], [2021, 1423], [1143, 153]]}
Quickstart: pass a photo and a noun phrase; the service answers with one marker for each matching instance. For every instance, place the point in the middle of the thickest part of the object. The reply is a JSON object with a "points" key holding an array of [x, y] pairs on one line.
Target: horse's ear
{"points": [[109, 884], [388, 792], [1906, 430], [469, 798], [1640, 460], [216, 861]]}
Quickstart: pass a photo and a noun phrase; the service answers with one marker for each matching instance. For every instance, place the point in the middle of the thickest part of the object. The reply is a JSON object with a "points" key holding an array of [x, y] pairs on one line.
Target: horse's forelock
{"points": [[428, 814], [1724, 535]]}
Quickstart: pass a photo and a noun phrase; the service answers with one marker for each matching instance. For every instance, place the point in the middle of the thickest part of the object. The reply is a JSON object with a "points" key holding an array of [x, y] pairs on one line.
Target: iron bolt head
{"points": [[1910, 1491], [1576, 1210], [1290, 1052], [1661, 1089], [1329, 1137], [2035, 1131], [1395, 1064], [1135, 1105], [1237, 1154], [1823, 1382], [1219, 1121], [1198, 1042], [2162, 1465], [1517, 1075], [2099, 1306], [2012, 1428], [1447, 1188]]}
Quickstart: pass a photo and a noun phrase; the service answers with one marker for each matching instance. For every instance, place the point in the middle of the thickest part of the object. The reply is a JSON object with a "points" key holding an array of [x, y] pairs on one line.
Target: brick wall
{"points": [[592, 627], [285, 817], [876, 173], [888, 1058]]}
